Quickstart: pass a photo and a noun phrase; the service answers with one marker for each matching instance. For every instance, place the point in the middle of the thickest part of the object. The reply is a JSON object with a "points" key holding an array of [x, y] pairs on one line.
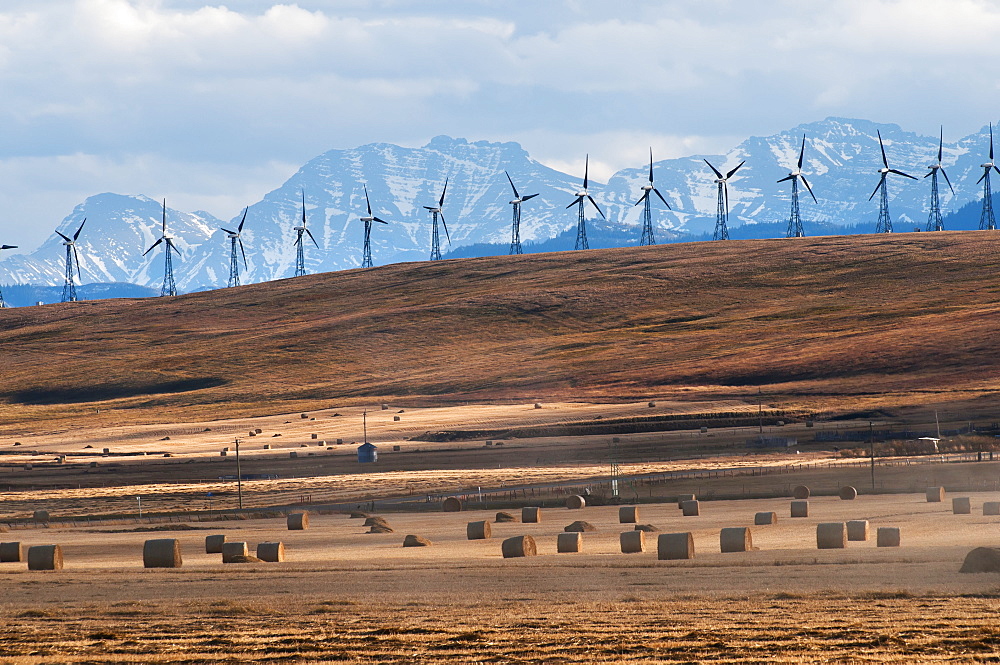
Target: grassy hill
{"points": [[840, 322]]}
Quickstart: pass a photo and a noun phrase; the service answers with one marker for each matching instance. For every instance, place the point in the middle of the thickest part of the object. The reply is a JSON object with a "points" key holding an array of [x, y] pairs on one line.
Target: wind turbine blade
{"points": [[152, 247], [714, 169], [311, 238], [806, 183], [945, 174], [242, 251], [441, 200], [725, 192], [380, 221], [991, 141], [995, 169], [575, 201], [429, 208], [164, 217], [642, 198], [66, 238], [907, 175], [591, 198], [529, 196], [512, 185], [651, 166], [885, 160], [941, 145], [787, 177], [77, 234], [662, 199], [8, 246], [239, 229], [77, 257], [730, 174], [227, 231], [298, 239], [981, 178], [586, 171], [170, 244], [445, 225], [368, 201], [303, 207], [802, 151], [928, 174], [880, 181]]}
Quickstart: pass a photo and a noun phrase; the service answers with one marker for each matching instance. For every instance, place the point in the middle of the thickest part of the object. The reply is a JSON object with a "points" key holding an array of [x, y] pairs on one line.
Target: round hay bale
{"points": [[314, 436], [704, 430], [651, 404], [272, 552], [982, 560], [375, 520], [478, 530], [531, 515], [358, 515], [848, 493], [267, 446], [887, 536], [831, 535], [505, 517], [537, 405], [671, 546], [298, 521], [800, 509], [576, 502], [41, 516], [213, 543], [258, 431], [800, 492], [632, 542], [380, 528], [416, 541], [765, 518], [45, 557], [452, 505], [735, 539], [11, 553], [395, 419], [681, 498], [231, 550], [293, 455], [244, 558], [628, 514], [385, 407], [161, 553], [935, 494], [304, 416], [961, 505], [252, 433], [857, 530], [691, 508], [648, 528], [518, 546], [579, 526], [991, 508], [567, 542], [397, 448]]}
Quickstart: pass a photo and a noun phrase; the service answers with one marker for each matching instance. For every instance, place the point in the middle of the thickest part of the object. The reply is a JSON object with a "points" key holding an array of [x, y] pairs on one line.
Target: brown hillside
{"points": [[832, 322]]}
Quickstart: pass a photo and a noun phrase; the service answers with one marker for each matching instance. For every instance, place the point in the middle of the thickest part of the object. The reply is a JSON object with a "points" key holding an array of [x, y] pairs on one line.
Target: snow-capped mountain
{"points": [[841, 162]]}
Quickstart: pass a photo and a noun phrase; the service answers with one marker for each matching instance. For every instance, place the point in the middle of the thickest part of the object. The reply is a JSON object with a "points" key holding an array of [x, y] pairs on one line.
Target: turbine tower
{"points": [[582, 197], [515, 232], [366, 256], [647, 218], [934, 220], [234, 263], [884, 220], [722, 207], [435, 213], [69, 286], [3, 304], [794, 221], [300, 230], [986, 220], [168, 288]]}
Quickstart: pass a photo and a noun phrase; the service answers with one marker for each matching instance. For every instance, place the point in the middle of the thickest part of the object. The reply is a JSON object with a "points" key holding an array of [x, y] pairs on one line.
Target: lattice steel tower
{"points": [[69, 285], [647, 237], [935, 222], [169, 288], [3, 303], [436, 212], [515, 230], [580, 202], [722, 207], [234, 261], [794, 219], [884, 220], [366, 254], [986, 220], [300, 230]]}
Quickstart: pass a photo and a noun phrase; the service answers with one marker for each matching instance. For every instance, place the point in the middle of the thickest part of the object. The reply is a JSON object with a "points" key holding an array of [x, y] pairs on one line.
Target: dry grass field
{"points": [[344, 595], [830, 324]]}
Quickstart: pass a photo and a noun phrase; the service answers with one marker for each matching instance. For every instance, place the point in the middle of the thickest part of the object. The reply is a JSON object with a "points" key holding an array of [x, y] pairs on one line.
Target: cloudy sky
{"points": [[212, 105]]}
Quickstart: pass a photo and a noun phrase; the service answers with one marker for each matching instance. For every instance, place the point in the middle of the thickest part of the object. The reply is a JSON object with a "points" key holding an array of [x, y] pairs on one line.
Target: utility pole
{"points": [[760, 410], [239, 475], [871, 441]]}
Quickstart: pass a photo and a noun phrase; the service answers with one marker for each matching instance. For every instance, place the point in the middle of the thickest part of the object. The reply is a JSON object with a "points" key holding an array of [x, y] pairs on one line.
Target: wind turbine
{"points": [[986, 221], [366, 257], [234, 239], [794, 221], [300, 230], [722, 207], [647, 219], [3, 247], [435, 213], [582, 197], [69, 286], [515, 233], [168, 288], [884, 220], [934, 219]]}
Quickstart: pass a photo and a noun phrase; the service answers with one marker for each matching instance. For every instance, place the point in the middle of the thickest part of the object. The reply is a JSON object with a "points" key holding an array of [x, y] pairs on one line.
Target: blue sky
{"points": [[212, 105]]}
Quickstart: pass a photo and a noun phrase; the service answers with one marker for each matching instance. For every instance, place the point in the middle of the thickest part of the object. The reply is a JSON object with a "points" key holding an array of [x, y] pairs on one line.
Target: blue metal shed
{"points": [[367, 453]]}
